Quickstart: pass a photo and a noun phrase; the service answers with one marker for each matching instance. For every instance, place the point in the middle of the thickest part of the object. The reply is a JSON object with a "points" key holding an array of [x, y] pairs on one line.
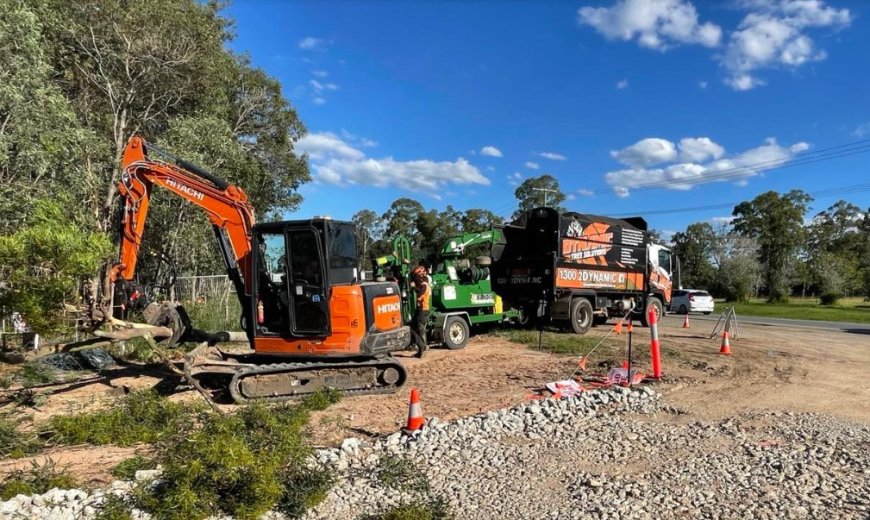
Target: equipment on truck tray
{"points": [[309, 320], [462, 295], [577, 269]]}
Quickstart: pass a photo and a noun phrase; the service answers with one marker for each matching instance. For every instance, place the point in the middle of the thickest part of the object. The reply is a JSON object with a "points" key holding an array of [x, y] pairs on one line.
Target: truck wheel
{"points": [[456, 333], [581, 315], [655, 303]]}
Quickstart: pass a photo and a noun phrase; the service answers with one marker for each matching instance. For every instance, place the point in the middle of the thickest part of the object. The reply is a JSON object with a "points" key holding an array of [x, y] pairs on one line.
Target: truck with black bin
{"points": [[575, 269]]}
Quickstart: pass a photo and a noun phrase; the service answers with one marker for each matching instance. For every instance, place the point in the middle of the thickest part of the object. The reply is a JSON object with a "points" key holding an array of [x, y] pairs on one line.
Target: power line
{"points": [[801, 159], [830, 192]]}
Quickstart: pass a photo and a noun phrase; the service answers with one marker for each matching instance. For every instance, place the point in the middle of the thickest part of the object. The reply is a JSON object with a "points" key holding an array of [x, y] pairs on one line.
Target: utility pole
{"points": [[546, 193]]}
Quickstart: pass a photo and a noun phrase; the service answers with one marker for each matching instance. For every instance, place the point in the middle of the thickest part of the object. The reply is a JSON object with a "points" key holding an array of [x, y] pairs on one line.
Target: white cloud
{"points": [[490, 168], [686, 174], [702, 84], [646, 152], [319, 73], [697, 149], [552, 156], [311, 43], [358, 140], [722, 220], [622, 84], [490, 151], [862, 131], [326, 144], [318, 101], [515, 178], [570, 196], [336, 162], [656, 24], [532, 165], [319, 87], [586, 193], [774, 34]]}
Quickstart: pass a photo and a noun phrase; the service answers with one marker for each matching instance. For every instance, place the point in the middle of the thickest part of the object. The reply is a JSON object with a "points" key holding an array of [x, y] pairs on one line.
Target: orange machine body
{"points": [[361, 319]]}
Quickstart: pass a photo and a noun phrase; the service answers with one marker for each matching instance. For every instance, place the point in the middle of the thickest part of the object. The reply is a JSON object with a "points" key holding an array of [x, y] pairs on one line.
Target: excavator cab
{"points": [[297, 262]]}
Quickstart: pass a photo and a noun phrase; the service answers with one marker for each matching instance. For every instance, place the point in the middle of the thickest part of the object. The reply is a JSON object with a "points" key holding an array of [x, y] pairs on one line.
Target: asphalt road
{"points": [[856, 328]]}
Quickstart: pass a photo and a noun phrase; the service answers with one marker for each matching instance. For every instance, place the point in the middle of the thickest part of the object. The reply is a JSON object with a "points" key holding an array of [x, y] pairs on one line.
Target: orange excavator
{"points": [[309, 319]]}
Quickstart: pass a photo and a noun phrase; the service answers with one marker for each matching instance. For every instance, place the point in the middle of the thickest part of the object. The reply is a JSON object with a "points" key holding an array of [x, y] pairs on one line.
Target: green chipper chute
{"points": [[462, 296]]}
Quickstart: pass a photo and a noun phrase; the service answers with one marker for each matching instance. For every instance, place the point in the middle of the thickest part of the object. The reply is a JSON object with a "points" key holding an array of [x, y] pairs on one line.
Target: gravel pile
{"points": [[605, 454]]}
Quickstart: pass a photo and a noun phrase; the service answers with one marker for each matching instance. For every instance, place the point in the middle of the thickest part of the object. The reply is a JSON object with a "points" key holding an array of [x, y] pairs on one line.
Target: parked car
{"points": [[685, 301]]}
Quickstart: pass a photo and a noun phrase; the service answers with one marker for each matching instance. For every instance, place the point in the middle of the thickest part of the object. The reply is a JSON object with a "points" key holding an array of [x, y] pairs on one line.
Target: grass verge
{"points": [[127, 468], [804, 311], [14, 443]]}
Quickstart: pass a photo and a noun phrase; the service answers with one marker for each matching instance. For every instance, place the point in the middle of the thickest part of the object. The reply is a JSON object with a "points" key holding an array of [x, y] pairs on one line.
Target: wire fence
{"points": [[210, 301]]}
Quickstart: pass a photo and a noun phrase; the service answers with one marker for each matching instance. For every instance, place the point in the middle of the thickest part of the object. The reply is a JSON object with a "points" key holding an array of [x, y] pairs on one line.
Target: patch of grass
{"points": [[400, 473], [35, 481], [6, 382], [215, 315], [803, 310], [141, 417], [33, 374], [114, 508], [127, 468], [242, 465], [432, 509], [559, 343], [14, 443]]}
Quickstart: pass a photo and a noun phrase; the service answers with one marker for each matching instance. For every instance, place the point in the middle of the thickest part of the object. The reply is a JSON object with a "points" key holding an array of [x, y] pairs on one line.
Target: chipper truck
{"points": [[462, 296], [579, 270]]}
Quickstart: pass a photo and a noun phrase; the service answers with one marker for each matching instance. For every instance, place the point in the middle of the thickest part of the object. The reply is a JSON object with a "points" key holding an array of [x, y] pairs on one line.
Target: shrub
{"points": [[126, 469], [401, 474], [15, 444], [114, 508], [829, 298], [432, 509], [243, 465], [35, 481], [141, 417]]}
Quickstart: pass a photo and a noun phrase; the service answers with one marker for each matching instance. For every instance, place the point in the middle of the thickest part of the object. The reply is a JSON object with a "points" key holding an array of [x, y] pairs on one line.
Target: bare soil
{"points": [[771, 369]]}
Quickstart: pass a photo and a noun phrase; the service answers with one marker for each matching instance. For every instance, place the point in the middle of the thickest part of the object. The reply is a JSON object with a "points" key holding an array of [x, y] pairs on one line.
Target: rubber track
{"points": [[235, 390]]}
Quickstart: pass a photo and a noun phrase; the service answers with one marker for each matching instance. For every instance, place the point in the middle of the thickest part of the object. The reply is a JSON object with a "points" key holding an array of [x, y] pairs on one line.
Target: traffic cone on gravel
{"points": [[725, 350], [415, 412], [686, 321]]}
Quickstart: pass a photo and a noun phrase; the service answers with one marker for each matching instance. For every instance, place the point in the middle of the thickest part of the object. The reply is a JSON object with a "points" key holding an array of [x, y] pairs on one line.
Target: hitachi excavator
{"points": [[310, 321]]}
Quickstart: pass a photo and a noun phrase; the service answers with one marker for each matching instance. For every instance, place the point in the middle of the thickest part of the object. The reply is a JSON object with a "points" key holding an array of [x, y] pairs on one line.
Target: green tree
{"points": [[369, 231], [436, 227], [694, 247], [401, 219], [539, 191], [41, 142], [776, 222], [42, 264], [475, 219]]}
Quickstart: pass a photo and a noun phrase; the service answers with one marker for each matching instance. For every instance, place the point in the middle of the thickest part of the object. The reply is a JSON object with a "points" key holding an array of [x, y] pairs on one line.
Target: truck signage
{"points": [[594, 279]]}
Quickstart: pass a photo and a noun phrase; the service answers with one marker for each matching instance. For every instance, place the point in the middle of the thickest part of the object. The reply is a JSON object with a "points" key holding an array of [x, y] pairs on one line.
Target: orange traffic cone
{"points": [[630, 327], [686, 321], [725, 350], [582, 364], [618, 327], [415, 413]]}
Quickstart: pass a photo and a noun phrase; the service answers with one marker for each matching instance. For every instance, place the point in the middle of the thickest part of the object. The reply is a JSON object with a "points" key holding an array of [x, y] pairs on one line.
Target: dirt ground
{"points": [[772, 368]]}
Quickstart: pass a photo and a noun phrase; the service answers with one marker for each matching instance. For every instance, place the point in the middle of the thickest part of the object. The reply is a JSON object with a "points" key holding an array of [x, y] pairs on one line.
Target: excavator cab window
{"points": [[309, 297], [291, 284], [343, 265]]}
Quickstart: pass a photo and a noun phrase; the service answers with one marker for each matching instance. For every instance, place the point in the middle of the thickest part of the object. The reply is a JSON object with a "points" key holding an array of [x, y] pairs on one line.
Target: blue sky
{"points": [[456, 102]]}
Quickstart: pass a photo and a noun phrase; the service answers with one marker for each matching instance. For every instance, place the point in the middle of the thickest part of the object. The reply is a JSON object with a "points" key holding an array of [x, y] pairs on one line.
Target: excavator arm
{"points": [[226, 206]]}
